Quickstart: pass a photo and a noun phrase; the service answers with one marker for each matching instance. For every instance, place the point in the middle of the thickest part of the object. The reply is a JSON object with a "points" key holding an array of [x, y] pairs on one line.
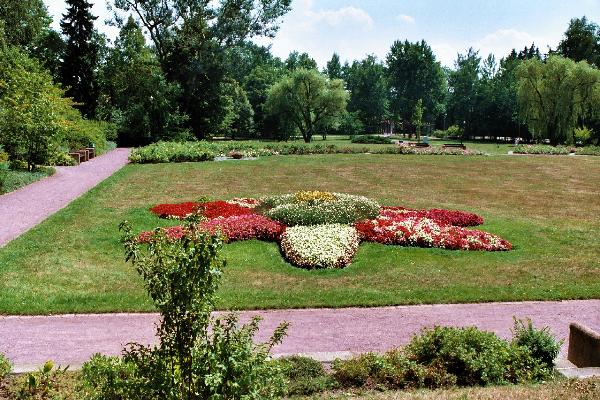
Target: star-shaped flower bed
{"points": [[324, 230]]}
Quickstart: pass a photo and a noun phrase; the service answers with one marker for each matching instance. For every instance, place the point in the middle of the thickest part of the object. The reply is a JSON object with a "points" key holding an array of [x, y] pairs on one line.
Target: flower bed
{"points": [[318, 229]]}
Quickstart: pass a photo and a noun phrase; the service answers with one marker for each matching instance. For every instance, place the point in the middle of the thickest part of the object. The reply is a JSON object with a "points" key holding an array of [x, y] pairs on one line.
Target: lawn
{"points": [[547, 207]]}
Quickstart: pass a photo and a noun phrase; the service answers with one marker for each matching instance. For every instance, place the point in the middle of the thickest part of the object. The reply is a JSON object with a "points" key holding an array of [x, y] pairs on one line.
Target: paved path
{"points": [[72, 339], [23, 209]]}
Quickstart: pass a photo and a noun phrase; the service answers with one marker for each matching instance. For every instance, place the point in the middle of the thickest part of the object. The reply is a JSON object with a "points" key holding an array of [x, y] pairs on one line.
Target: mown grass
{"points": [[547, 207]]}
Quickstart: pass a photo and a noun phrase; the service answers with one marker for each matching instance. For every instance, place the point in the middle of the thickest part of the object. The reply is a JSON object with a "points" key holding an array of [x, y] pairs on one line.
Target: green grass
{"points": [[547, 207], [12, 180]]}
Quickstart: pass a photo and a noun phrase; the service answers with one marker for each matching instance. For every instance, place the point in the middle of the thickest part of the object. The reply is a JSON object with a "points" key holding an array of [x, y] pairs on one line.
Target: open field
{"points": [[547, 207]]}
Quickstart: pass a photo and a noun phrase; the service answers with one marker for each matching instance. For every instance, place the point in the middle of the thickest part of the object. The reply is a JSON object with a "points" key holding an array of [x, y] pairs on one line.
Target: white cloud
{"points": [[342, 17], [406, 18]]}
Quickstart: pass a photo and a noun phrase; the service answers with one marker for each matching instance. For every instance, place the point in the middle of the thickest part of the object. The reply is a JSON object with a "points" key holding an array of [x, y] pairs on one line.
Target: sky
{"points": [[354, 29]]}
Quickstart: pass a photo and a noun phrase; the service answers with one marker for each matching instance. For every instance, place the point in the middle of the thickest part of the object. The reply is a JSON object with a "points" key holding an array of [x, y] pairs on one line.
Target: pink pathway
{"points": [[72, 339], [23, 209]]}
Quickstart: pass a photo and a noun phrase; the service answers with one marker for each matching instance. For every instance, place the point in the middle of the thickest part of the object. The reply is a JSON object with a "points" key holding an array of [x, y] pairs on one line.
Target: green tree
{"points": [[413, 74], [239, 118], [135, 94], [78, 72], [417, 119], [581, 41], [307, 99], [463, 84], [33, 112], [556, 95], [296, 61], [24, 21], [334, 68], [368, 88], [257, 85]]}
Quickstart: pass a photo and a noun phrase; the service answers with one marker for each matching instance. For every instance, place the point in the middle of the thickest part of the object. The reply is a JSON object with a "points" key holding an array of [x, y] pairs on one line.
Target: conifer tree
{"points": [[78, 71]]}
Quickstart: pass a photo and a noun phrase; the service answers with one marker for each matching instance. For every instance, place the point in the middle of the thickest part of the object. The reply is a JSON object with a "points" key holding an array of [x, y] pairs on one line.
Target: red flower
{"points": [[219, 208], [244, 227], [179, 210]]}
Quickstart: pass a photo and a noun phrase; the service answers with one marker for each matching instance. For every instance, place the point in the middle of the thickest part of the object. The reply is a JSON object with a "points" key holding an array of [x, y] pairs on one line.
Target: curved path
{"points": [[23, 209], [321, 333]]}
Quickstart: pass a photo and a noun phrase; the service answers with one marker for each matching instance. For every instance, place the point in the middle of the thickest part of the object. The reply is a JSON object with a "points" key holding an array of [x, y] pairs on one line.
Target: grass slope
{"points": [[547, 207]]}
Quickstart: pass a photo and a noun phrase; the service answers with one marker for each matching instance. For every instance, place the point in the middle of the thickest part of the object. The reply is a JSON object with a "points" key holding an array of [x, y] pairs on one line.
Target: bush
{"points": [[305, 376], [165, 152], [453, 132], [588, 151], [5, 366], [341, 209], [583, 134], [541, 149], [540, 342], [371, 139], [198, 356]]}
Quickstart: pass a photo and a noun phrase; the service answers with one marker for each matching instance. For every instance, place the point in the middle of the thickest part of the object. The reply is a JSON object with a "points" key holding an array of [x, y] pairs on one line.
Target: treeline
{"points": [[188, 69]]}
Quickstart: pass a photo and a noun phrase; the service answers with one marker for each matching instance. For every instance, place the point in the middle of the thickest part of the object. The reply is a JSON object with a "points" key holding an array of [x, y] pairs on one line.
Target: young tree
{"points": [[581, 41], [80, 62], [554, 96], [368, 88], [413, 74], [307, 99]]}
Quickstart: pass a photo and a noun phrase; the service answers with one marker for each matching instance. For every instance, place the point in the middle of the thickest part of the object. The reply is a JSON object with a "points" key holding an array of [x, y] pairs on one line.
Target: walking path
{"points": [[23, 209], [322, 333]]}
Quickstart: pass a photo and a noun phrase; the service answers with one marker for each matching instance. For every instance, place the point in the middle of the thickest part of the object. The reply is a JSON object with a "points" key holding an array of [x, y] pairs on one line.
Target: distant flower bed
{"points": [[541, 149], [318, 229], [172, 152]]}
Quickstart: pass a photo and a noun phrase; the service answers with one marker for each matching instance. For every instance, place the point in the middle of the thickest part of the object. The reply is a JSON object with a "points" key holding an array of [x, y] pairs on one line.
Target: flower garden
{"points": [[317, 229]]}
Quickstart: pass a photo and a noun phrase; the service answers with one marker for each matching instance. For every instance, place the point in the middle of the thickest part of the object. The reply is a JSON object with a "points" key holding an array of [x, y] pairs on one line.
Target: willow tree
{"points": [[557, 95], [307, 99]]}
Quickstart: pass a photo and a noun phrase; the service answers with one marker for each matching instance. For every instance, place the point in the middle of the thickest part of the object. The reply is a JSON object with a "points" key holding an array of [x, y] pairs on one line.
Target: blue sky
{"points": [[354, 29]]}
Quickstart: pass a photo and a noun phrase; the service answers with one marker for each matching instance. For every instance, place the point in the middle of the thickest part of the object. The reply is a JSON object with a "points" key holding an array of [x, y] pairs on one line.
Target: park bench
{"points": [[83, 155], [454, 145]]}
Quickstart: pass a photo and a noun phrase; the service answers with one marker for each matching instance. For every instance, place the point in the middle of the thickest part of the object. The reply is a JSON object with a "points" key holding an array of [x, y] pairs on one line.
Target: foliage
{"points": [[453, 132], [307, 99], [320, 246], [304, 376], [110, 378], [78, 71], [554, 95], [371, 139], [581, 41], [540, 343], [135, 94], [417, 119], [11, 179], [46, 383], [588, 150], [413, 74], [164, 152], [343, 208], [24, 21], [198, 356], [583, 134], [5, 366], [541, 149], [463, 83], [238, 121]]}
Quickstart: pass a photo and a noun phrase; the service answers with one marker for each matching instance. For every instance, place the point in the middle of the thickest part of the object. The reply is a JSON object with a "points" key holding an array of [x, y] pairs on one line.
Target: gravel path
{"points": [[72, 339], [23, 209]]}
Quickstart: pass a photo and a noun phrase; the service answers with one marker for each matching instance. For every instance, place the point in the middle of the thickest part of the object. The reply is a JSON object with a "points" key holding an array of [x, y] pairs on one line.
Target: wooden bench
{"points": [[454, 145], [422, 145]]}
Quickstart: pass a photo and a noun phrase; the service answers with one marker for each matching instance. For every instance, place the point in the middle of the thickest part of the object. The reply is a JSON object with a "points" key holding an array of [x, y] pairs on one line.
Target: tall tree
{"points": [[413, 74], [308, 99], [299, 60], [556, 95], [581, 41], [463, 85], [78, 72], [368, 88], [334, 67]]}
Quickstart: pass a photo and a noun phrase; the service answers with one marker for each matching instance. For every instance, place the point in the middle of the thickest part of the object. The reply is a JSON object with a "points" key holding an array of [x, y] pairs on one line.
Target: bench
{"points": [[422, 145], [454, 146], [83, 155], [584, 346]]}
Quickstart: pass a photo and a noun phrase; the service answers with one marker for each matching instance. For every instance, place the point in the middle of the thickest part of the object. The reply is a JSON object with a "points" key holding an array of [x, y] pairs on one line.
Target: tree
{"points": [[135, 94], [257, 85], [368, 88], [417, 118], [33, 111], [413, 74], [307, 99], [24, 21], [463, 83], [78, 70], [334, 68], [556, 95], [238, 121], [581, 41], [296, 61]]}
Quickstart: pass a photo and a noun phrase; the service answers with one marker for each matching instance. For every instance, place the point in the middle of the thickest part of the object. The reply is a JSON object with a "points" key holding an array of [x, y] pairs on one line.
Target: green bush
{"points": [[165, 152], [343, 209], [5, 366], [541, 149], [588, 151], [540, 342], [371, 139], [305, 376], [110, 378], [13, 179]]}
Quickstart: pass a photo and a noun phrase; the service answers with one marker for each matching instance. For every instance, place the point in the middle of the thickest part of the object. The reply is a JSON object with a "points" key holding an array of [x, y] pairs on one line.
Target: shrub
{"points": [[165, 152], [198, 356], [343, 209], [474, 357], [110, 378], [371, 139], [5, 366], [583, 134], [540, 342], [541, 149], [304, 375], [588, 151]]}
